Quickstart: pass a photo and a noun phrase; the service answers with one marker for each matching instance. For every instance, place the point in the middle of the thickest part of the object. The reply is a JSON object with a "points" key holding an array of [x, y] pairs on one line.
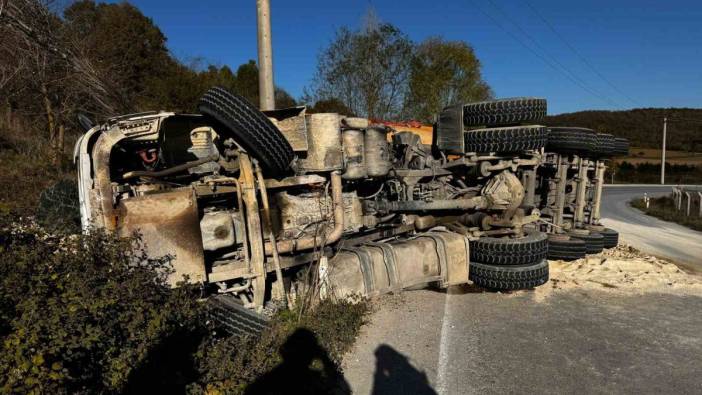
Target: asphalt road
{"points": [[427, 342], [651, 235], [584, 341]]}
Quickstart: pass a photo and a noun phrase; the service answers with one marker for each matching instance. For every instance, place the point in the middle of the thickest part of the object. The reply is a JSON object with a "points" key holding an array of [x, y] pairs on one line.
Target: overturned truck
{"points": [[251, 204]]}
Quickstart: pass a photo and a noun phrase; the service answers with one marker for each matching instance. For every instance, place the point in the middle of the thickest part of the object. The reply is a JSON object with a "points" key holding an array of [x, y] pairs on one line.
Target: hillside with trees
{"points": [[95, 59], [642, 126]]}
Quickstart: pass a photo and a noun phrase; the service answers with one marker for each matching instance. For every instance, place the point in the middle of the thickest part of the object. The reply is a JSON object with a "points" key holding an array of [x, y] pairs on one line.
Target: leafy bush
{"points": [[649, 173], [82, 314], [93, 314]]}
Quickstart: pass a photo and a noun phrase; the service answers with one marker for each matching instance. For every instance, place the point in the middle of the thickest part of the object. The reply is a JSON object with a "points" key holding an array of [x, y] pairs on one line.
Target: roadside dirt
{"points": [[623, 269], [650, 155]]}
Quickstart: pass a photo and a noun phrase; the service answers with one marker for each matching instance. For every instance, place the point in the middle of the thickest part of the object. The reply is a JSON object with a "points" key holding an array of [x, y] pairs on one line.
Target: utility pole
{"points": [[265, 56], [665, 127]]}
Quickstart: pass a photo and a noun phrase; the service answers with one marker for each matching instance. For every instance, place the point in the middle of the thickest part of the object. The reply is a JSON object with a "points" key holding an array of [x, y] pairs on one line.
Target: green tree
{"points": [[330, 105], [443, 73], [128, 48], [246, 84], [283, 99], [366, 69]]}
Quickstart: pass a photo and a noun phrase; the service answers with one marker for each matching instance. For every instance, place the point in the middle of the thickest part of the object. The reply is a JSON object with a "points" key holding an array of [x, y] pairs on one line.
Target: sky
{"points": [[580, 55]]}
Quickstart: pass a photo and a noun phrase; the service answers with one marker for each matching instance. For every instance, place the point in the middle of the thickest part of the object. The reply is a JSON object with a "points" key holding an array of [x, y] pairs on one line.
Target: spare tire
{"points": [[567, 140], [594, 241], [509, 139], [507, 251], [611, 237], [506, 278], [621, 146], [511, 111], [249, 127], [233, 319], [605, 145], [566, 249]]}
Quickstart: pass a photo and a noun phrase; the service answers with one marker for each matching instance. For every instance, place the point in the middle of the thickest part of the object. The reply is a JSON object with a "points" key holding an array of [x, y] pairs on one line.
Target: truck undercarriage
{"points": [[253, 205]]}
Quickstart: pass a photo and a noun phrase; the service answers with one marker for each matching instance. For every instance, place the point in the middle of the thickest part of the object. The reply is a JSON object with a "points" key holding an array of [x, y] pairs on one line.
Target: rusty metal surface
{"points": [[330, 236], [267, 220], [255, 232], [291, 122], [307, 179], [582, 180], [353, 149], [504, 191], [457, 252], [169, 225], [300, 214], [377, 151], [597, 198], [324, 143]]}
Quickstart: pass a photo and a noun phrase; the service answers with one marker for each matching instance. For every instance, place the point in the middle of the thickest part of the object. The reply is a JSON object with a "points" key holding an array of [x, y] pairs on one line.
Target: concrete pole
{"points": [[689, 200], [265, 56], [665, 130], [700, 195]]}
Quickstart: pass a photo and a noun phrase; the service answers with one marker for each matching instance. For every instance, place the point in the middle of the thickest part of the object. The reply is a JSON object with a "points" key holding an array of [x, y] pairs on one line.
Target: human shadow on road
{"points": [[300, 372], [395, 375]]}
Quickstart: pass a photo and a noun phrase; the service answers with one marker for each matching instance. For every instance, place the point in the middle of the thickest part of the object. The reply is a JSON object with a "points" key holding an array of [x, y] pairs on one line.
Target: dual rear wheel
{"points": [[508, 263]]}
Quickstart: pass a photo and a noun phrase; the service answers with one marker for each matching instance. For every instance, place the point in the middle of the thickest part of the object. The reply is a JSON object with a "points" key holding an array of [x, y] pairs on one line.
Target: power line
{"points": [[574, 78], [530, 49], [577, 53]]}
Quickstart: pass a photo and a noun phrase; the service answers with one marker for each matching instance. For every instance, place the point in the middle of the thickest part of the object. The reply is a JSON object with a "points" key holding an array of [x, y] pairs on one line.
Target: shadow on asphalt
{"points": [[395, 375], [300, 372]]}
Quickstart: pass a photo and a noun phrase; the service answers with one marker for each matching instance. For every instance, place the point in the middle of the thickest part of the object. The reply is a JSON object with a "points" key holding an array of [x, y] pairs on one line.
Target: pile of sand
{"points": [[621, 269]]}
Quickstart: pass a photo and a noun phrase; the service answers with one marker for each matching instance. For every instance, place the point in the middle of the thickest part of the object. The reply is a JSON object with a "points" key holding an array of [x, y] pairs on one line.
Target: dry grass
{"points": [[664, 208], [652, 155]]}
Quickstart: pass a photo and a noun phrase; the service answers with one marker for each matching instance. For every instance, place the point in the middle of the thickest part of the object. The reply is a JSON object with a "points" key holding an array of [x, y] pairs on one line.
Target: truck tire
{"points": [[605, 145], [233, 319], [621, 146], [506, 278], [527, 250], [594, 241], [509, 139], [249, 127], [566, 249], [566, 140], [512, 111], [611, 237]]}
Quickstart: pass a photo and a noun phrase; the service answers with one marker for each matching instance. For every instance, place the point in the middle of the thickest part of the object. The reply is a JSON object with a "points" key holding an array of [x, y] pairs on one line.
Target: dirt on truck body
{"points": [[245, 201]]}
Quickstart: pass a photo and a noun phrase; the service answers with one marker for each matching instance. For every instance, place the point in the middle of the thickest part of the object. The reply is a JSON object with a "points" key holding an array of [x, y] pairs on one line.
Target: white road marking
{"points": [[442, 384]]}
